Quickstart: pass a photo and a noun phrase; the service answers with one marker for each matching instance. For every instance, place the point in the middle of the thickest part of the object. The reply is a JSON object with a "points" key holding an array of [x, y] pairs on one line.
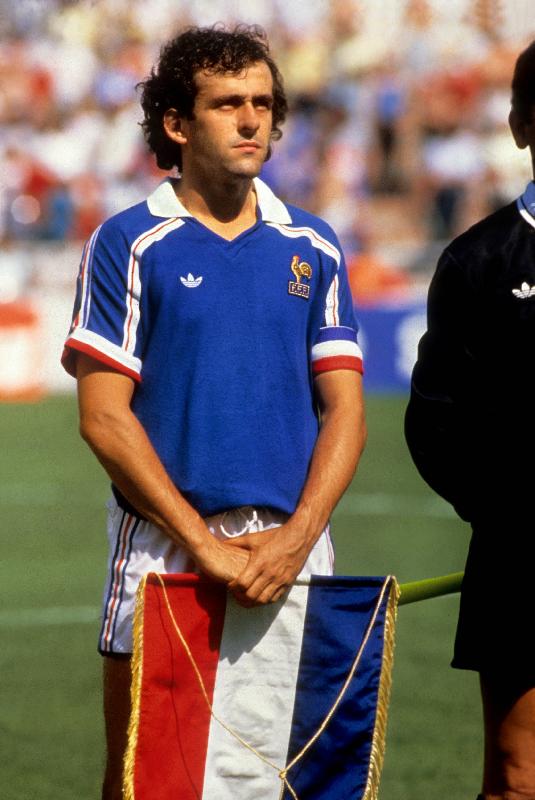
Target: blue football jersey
{"points": [[223, 339]]}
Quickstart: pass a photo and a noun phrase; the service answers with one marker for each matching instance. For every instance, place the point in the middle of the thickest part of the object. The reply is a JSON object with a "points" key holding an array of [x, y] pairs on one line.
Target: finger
{"points": [[279, 594], [272, 594], [238, 541], [249, 593], [247, 577], [247, 540], [249, 596], [254, 589], [259, 594]]}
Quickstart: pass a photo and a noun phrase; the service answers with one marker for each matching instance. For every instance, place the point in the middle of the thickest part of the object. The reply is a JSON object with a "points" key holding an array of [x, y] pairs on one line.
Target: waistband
{"points": [[254, 517]]}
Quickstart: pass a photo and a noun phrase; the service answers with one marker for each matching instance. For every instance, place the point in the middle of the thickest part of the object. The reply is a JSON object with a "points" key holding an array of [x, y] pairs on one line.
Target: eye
{"points": [[228, 103], [264, 103]]}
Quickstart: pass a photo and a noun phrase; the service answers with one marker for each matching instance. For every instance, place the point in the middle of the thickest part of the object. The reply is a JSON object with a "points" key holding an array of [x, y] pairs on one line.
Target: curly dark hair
{"points": [[171, 83], [523, 86]]}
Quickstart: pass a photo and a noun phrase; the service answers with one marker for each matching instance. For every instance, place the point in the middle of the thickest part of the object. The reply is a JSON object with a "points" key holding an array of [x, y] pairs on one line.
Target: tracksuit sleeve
{"points": [[435, 421]]}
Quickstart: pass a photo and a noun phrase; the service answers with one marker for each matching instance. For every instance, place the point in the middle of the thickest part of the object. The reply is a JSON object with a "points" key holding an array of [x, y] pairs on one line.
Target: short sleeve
{"points": [[106, 316], [336, 345]]}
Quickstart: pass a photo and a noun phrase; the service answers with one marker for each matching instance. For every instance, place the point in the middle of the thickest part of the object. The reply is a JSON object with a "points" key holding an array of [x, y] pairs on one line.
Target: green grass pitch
{"points": [[52, 536]]}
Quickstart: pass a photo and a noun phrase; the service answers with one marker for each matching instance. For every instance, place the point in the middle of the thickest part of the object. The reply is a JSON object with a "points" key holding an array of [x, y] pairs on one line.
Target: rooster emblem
{"points": [[301, 270]]}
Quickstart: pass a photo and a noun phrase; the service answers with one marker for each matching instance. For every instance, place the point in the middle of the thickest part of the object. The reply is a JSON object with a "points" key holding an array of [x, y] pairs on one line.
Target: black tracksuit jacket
{"points": [[470, 423]]}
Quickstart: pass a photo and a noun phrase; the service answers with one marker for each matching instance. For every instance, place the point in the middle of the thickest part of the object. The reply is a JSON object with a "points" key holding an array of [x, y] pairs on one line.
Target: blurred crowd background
{"points": [[397, 134]]}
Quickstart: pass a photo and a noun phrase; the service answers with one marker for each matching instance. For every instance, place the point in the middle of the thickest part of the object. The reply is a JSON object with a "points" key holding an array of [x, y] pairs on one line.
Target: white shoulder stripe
{"points": [[85, 277], [133, 296], [332, 303], [315, 239]]}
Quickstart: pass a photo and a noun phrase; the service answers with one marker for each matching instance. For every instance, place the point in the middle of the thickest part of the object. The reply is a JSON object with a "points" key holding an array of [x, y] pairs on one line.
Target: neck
{"points": [[224, 202]]}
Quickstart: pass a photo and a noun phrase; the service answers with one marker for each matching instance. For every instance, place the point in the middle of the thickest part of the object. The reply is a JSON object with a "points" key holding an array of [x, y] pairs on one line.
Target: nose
{"points": [[248, 119]]}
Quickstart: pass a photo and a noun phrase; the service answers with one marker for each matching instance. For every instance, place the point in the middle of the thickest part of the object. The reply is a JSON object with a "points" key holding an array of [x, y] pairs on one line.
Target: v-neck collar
{"points": [[163, 202], [222, 240]]}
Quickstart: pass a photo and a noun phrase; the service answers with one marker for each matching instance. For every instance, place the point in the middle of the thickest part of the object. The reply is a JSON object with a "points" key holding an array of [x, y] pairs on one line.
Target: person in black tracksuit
{"points": [[470, 427]]}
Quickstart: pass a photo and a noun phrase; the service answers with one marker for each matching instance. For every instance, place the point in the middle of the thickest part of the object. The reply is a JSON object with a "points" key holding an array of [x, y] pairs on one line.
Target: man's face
{"points": [[230, 132]]}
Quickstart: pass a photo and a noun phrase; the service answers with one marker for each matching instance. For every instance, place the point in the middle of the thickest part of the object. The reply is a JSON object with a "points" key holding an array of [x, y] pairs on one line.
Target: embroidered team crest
{"points": [[301, 270]]}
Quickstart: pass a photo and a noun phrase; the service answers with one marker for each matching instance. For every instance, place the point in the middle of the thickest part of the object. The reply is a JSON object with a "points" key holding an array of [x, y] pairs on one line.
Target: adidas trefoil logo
{"points": [[190, 281], [525, 291]]}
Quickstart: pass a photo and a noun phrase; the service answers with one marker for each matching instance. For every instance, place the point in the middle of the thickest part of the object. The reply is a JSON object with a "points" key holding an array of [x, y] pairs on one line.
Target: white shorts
{"points": [[138, 547]]}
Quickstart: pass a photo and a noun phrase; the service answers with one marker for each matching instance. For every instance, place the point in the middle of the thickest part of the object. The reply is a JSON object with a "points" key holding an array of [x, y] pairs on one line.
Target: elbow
{"points": [[90, 431], [96, 429]]}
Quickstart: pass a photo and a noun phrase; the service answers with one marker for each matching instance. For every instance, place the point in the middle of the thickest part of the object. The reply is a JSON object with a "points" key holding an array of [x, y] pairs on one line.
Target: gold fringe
{"points": [[135, 693], [383, 698]]}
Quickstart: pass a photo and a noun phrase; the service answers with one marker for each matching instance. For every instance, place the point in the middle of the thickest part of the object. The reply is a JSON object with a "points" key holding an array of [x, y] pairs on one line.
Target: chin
{"points": [[249, 169]]}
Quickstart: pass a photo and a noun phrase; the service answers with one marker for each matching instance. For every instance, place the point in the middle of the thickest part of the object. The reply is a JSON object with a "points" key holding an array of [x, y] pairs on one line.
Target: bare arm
{"points": [[277, 557], [120, 443]]}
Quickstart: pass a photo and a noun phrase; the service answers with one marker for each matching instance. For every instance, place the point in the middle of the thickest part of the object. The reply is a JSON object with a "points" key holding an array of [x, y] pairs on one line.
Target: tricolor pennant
{"points": [[280, 702]]}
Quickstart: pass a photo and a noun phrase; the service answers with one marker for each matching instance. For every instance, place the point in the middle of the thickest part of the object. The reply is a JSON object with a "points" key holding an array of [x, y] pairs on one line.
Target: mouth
{"points": [[248, 147]]}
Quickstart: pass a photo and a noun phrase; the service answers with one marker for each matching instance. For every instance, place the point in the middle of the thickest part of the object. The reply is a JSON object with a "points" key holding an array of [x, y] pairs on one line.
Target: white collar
{"points": [[526, 204], [163, 202]]}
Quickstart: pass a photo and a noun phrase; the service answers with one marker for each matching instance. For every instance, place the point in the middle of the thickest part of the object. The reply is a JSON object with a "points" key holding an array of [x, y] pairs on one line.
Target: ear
{"points": [[173, 126], [518, 129]]}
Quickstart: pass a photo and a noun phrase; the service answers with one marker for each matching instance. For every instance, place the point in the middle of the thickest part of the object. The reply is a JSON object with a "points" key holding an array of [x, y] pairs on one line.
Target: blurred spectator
{"points": [[393, 122], [506, 164], [389, 111], [453, 168], [292, 172]]}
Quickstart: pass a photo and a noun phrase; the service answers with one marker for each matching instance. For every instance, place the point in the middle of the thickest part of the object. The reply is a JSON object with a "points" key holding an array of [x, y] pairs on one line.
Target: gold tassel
{"points": [[383, 698], [135, 694]]}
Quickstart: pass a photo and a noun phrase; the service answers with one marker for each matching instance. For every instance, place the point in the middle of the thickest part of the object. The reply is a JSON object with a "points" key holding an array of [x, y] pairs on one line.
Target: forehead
{"points": [[253, 80]]}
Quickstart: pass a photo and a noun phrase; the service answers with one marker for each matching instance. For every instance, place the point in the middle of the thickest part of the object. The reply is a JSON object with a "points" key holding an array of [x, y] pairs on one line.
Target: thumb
{"points": [[240, 541]]}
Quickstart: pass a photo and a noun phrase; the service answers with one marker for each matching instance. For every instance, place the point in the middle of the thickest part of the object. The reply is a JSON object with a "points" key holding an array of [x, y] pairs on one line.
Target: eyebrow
{"points": [[236, 99]]}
